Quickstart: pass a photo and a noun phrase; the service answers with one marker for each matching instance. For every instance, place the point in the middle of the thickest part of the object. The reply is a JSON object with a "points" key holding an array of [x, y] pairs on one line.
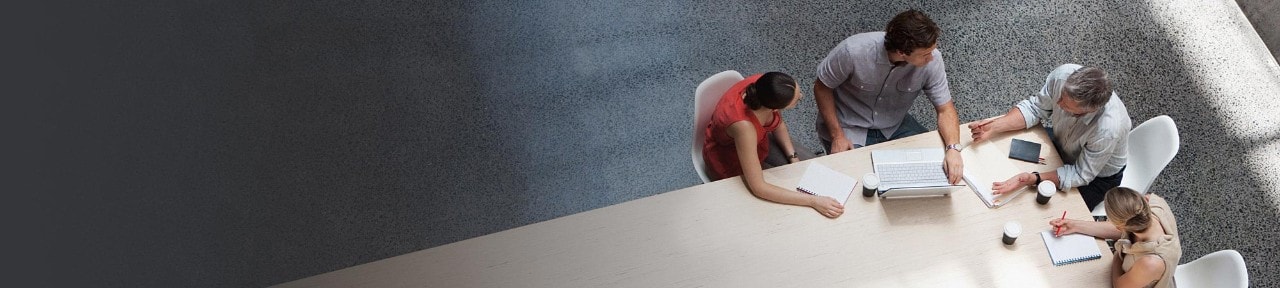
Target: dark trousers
{"points": [[909, 127], [777, 158], [1094, 191]]}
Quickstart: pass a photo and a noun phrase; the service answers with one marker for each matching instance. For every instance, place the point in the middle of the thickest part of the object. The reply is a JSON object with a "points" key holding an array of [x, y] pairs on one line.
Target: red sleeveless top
{"points": [[719, 151]]}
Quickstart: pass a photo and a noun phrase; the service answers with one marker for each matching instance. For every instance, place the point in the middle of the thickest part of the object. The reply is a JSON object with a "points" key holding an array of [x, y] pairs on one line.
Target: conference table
{"points": [[719, 235]]}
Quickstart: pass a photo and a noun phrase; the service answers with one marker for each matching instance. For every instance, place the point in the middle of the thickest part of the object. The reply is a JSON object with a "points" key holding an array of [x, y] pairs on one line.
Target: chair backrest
{"points": [[704, 102], [1151, 146], [1218, 269]]}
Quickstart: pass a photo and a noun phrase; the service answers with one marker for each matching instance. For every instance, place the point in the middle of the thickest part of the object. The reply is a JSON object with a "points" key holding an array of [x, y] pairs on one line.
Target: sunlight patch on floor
{"points": [[1231, 59], [1214, 45]]}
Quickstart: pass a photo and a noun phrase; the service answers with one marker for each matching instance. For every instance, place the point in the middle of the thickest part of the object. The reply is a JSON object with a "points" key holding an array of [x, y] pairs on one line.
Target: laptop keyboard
{"points": [[911, 174]]}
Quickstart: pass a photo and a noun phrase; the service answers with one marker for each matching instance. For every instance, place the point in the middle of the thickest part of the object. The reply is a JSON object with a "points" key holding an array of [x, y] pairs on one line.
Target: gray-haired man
{"points": [[1088, 124]]}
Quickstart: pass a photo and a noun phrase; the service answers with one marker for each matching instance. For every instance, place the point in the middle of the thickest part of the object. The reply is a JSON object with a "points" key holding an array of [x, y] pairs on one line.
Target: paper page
{"points": [[985, 164], [820, 180], [1070, 248]]}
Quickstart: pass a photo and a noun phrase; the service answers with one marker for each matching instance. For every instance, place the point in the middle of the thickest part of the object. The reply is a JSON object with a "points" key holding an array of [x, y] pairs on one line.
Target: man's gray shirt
{"points": [[872, 93], [1094, 144]]}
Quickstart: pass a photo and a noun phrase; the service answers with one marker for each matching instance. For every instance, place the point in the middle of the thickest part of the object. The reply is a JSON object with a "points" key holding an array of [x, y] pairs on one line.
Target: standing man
{"points": [[1088, 124], [867, 83]]}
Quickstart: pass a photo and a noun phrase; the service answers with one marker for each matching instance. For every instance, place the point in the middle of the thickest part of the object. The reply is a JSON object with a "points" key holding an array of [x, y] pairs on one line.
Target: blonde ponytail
{"points": [[1128, 208]]}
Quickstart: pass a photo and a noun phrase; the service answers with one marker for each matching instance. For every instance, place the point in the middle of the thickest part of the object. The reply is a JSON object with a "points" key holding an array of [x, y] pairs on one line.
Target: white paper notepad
{"points": [[1070, 248], [820, 180], [995, 168]]}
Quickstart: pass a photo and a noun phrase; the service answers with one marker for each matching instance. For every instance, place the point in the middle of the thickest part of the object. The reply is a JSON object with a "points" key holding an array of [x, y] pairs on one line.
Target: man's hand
{"points": [[839, 144], [1015, 182], [982, 130], [953, 165]]}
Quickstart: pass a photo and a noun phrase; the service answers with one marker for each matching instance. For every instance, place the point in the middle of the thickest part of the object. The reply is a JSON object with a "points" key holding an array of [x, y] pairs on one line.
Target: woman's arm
{"points": [[1102, 230], [744, 138]]}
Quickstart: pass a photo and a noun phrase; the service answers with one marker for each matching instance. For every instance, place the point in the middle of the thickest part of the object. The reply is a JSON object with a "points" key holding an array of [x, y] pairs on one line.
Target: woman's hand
{"points": [[827, 206], [1015, 182], [1065, 226]]}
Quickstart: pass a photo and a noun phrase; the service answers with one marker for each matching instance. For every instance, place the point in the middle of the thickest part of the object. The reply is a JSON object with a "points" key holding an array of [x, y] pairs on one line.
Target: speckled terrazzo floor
{"points": [[252, 144]]}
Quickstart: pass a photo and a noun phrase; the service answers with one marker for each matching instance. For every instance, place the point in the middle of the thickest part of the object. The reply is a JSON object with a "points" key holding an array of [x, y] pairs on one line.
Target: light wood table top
{"points": [[718, 234]]}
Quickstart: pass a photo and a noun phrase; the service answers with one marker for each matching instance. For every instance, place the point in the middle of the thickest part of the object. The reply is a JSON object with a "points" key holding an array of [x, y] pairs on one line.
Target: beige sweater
{"points": [[1167, 247]]}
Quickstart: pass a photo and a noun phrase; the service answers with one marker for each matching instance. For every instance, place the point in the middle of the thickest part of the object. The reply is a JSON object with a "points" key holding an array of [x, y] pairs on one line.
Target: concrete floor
{"points": [[1265, 16]]}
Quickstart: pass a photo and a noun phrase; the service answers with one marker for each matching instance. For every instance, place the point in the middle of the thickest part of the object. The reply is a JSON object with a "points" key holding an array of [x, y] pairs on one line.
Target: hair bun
{"points": [[751, 99]]}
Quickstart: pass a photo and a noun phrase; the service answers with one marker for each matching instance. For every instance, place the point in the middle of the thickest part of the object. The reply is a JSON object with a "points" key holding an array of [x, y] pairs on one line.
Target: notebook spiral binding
{"points": [[1076, 260]]}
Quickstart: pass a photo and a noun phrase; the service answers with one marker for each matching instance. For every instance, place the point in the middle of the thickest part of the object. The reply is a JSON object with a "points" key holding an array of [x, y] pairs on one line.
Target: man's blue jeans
{"points": [[909, 127]]}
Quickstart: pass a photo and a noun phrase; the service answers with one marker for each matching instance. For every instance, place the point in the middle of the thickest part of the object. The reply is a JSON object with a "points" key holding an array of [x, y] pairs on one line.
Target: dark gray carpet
{"points": [[214, 144]]}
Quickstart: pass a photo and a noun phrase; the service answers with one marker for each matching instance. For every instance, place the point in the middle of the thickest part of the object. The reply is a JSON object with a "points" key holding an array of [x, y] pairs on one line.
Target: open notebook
{"points": [[995, 168], [1070, 248], [820, 180]]}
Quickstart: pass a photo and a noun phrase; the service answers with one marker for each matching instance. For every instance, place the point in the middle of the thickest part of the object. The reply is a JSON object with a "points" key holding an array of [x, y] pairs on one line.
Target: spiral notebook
{"points": [[820, 180], [1070, 248]]}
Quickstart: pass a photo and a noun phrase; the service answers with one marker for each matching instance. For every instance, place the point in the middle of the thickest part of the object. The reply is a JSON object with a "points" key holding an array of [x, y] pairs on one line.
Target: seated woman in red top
{"points": [[744, 125]]}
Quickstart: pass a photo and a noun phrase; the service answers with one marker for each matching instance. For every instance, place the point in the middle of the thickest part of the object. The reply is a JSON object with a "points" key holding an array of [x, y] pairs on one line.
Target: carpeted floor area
{"points": [[216, 144]]}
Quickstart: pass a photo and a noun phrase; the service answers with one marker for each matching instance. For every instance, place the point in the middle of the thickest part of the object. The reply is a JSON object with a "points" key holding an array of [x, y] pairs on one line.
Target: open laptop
{"points": [[911, 172]]}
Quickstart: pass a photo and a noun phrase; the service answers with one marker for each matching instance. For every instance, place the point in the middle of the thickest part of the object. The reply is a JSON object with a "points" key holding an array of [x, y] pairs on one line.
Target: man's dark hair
{"points": [[910, 30], [773, 90]]}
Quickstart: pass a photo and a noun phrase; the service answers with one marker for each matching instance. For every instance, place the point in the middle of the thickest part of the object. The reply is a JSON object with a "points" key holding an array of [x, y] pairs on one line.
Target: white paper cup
{"points": [[870, 182], [1011, 232], [1046, 190]]}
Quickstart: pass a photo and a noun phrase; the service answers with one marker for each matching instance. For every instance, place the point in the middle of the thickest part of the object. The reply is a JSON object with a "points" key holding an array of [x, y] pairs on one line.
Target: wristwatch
{"points": [[954, 147], [1037, 177]]}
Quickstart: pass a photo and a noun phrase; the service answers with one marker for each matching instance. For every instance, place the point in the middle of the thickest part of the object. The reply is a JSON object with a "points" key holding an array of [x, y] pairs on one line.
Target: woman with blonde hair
{"points": [[1147, 249]]}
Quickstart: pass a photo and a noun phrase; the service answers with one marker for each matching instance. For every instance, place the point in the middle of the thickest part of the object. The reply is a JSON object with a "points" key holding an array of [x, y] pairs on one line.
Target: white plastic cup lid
{"points": [[1046, 188], [871, 180], [1012, 228]]}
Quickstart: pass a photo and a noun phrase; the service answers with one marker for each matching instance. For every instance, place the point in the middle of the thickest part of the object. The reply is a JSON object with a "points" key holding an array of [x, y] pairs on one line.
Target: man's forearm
{"points": [[1013, 120], [949, 124], [827, 108]]}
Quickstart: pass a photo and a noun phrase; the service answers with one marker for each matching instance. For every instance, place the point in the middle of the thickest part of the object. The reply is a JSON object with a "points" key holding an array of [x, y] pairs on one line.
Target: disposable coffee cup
{"points": [[1011, 232], [869, 184], [1046, 190]]}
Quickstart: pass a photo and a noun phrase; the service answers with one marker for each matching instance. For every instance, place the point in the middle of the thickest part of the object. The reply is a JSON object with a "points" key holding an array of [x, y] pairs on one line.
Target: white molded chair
{"points": [[1151, 146], [704, 102], [1218, 269]]}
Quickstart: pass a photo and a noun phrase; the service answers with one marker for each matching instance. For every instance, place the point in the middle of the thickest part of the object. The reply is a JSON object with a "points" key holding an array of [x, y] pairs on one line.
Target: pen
{"points": [[1059, 229]]}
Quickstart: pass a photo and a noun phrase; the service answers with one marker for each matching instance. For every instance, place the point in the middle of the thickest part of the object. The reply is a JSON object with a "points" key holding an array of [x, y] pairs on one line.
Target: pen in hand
{"points": [[1059, 228]]}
